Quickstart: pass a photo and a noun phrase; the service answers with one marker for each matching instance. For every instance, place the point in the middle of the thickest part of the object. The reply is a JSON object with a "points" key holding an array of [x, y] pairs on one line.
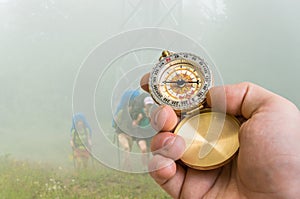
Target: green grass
{"points": [[24, 179]]}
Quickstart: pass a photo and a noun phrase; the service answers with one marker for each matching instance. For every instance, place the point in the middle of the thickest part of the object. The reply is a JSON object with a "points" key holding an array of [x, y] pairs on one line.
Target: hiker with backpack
{"points": [[81, 142], [131, 125], [142, 122]]}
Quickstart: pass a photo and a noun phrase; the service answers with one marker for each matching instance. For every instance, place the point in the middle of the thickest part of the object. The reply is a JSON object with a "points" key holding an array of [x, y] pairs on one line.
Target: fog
{"points": [[50, 55]]}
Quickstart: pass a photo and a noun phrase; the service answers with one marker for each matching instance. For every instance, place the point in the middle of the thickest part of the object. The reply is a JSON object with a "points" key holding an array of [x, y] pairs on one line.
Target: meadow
{"points": [[31, 180]]}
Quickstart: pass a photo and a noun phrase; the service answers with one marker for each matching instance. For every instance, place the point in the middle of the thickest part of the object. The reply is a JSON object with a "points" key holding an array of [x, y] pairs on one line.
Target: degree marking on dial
{"points": [[185, 76]]}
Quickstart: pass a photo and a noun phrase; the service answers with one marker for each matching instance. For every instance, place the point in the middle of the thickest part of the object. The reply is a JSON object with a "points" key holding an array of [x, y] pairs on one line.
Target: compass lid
{"points": [[211, 139]]}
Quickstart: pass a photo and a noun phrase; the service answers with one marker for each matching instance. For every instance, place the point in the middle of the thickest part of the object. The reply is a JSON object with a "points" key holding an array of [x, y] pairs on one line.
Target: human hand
{"points": [[267, 164]]}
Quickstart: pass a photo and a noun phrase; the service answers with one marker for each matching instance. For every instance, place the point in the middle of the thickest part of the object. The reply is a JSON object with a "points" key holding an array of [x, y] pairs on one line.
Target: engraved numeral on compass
{"points": [[175, 103], [157, 91], [166, 100], [184, 103], [155, 72]]}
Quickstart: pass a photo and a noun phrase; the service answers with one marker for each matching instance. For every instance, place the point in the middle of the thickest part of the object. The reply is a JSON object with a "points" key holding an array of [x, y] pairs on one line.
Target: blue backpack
{"points": [[127, 98], [77, 117]]}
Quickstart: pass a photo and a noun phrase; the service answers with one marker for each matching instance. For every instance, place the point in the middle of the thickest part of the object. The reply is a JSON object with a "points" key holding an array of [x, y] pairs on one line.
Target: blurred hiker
{"points": [[123, 127], [142, 120], [80, 141], [130, 124]]}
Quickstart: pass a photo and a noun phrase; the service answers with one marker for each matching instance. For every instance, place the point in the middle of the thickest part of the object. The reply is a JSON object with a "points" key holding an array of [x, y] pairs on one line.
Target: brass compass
{"points": [[182, 80]]}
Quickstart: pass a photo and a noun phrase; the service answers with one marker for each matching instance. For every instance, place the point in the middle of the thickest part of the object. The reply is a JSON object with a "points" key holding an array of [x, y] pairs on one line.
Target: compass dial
{"points": [[180, 80]]}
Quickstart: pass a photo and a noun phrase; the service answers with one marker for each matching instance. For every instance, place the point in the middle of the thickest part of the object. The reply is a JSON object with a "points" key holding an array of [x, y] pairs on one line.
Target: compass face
{"points": [[180, 80]]}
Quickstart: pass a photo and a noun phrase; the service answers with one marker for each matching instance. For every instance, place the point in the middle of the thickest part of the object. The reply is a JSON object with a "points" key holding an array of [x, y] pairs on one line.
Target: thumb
{"points": [[239, 99]]}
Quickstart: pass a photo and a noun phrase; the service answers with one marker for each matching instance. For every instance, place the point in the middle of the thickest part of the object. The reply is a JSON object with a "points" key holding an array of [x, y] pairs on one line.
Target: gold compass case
{"points": [[182, 80], [211, 139]]}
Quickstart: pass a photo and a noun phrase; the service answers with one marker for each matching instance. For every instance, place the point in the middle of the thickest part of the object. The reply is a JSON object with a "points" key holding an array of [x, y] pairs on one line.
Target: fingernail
{"points": [[169, 141], [159, 162], [158, 112], [164, 163]]}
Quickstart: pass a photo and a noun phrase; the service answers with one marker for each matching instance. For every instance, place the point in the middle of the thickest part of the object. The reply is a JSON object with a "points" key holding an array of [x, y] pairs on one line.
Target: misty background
{"points": [[43, 44]]}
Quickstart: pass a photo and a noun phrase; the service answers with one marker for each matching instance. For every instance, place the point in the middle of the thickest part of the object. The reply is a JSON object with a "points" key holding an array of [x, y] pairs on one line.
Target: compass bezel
{"points": [[173, 60]]}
